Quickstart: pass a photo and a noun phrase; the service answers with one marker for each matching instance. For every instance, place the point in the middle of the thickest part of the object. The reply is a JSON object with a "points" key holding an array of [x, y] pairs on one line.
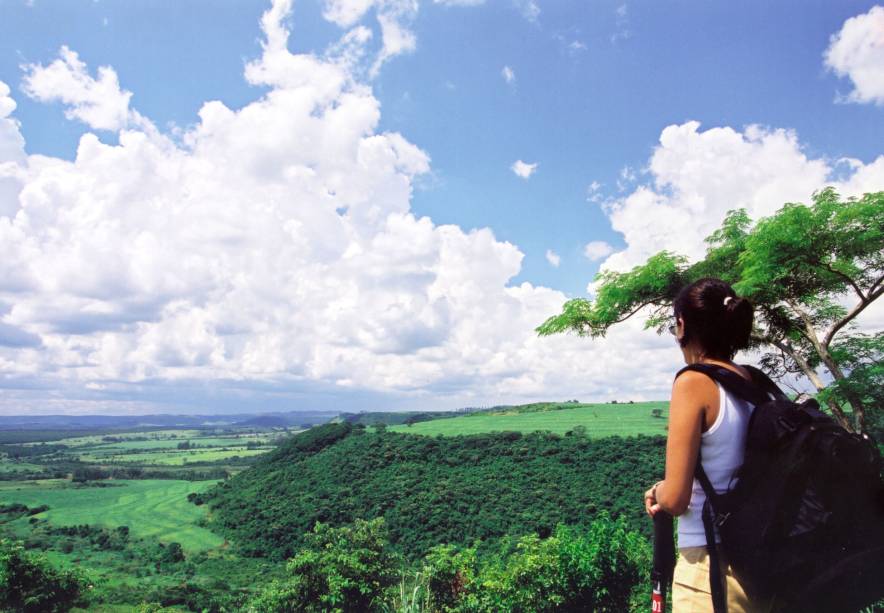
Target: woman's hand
{"points": [[651, 504]]}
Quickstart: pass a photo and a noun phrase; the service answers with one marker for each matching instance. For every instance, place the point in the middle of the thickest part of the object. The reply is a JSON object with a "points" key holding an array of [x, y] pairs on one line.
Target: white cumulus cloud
{"points": [[99, 103], [553, 258], [12, 153], [596, 250], [857, 52], [523, 169], [270, 250], [698, 176]]}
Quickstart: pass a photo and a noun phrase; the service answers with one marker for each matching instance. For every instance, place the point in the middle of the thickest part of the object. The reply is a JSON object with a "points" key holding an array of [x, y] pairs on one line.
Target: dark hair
{"points": [[715, 316]]}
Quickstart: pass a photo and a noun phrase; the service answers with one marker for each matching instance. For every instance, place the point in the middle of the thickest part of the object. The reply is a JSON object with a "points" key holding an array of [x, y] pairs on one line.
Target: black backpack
{"points": [[802, 522]]}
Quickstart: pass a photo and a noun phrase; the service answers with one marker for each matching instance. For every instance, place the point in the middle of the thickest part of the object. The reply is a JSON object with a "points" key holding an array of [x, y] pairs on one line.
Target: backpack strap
{"points": [[716, 582], [755, 391], [760, 378], [719, 604]]}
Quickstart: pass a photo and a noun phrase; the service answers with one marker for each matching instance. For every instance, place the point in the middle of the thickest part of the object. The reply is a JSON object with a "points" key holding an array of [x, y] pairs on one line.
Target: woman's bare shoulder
{"points": [[695, 389], [691, 381]]}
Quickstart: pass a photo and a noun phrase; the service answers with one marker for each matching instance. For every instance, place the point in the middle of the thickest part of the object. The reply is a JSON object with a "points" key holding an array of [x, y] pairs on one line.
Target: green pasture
{"points": [[9, 466], [96, 439], [172, 443], [600, 420], [171, 457], [151, 508]]}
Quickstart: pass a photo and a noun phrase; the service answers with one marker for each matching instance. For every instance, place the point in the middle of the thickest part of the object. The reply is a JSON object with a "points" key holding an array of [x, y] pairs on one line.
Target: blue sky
{"points": [[583, 90]]}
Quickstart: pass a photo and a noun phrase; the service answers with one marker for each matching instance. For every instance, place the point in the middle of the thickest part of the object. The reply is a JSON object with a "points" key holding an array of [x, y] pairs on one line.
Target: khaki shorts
{"points": [[690, 585]]}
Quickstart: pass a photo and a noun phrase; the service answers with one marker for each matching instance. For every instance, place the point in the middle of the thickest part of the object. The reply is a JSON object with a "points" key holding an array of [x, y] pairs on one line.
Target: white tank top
{"points": [[721, 449]]}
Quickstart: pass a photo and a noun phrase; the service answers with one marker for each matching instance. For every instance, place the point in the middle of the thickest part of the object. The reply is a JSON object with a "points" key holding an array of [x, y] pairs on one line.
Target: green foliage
{"points": [[412, 596], [804, 252], [620, 295], [369, 418], [87, 473], [603, 568], [341, 570], [436, 490], [169, 554], [862, 356], [192, 597], [28, 583], [795, 266], [599, 569], [451, 574]]}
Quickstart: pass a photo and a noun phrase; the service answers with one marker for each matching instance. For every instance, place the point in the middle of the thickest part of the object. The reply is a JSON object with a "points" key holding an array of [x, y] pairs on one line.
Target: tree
{"points": [[341, 570], [799, 268]]}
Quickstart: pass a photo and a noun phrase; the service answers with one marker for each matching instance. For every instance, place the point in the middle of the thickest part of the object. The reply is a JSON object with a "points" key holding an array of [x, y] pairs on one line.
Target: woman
{"points": [[712, 324]]}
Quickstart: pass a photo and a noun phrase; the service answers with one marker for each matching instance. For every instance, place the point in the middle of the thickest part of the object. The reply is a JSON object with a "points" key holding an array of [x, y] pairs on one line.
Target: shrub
{"points": [[169, 554], [603, 569], [29, 584], [450, 574], [341, 570]]}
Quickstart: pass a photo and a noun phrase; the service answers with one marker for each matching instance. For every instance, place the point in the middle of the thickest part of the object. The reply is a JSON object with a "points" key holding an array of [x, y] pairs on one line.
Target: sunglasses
{"points": [[673, 329]]}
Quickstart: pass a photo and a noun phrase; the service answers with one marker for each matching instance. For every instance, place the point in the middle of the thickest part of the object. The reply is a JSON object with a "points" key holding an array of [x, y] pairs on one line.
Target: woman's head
{"points": [[713, 319]]}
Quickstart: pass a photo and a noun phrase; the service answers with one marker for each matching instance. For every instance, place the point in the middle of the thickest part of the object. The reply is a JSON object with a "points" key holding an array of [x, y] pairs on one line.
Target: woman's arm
{"points": [[694, 402]]}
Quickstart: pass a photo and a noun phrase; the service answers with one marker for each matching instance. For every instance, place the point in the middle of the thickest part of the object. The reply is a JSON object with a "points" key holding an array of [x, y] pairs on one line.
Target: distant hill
{"points": [[432, 490], [391, 418], [267, 421], [91, 422], [599, 420]]}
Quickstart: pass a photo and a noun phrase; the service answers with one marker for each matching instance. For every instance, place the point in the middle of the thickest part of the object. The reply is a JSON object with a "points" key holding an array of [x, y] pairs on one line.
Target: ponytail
{"points": [[713, 314]]}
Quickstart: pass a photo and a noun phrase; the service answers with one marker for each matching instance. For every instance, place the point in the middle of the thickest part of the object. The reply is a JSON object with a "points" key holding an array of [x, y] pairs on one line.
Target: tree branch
{"points": [[874, 289], [786, 348], [846, 277], [636, 310], [859, 308], [809, 331]]}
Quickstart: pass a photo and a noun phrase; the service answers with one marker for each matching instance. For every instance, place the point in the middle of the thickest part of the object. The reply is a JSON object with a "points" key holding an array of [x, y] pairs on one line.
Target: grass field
{"points": [[158, 449], [8, 466], [171, 457], [151, 508], [172, 443], [600, 420], [96, 439]]}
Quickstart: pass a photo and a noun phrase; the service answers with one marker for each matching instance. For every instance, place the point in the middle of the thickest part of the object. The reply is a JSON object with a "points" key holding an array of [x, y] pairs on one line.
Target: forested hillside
{"points": [[433, 490]]}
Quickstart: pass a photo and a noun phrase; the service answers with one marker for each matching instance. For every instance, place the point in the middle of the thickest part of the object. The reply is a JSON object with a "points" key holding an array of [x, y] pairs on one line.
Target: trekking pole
{"points": [[664, 560]]}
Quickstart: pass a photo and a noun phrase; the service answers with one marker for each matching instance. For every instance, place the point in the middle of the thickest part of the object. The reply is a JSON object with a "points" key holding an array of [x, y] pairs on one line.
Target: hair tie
{"points": [[727, 299]]}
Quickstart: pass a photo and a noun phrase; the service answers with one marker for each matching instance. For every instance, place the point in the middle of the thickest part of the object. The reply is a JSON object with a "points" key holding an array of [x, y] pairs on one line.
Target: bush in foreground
{"points": [[28, 583], [341, 570], [603, 568]]}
